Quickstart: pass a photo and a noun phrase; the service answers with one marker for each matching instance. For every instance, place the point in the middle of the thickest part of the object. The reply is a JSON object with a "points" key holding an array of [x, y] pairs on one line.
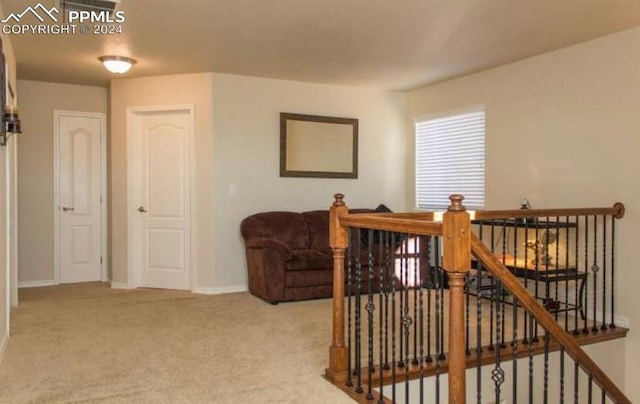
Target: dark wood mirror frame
{"points": [[318, 146]]}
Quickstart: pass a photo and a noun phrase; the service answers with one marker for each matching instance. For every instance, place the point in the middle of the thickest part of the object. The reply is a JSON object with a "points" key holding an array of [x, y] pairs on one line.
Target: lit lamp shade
{"points": [[117, 64]]}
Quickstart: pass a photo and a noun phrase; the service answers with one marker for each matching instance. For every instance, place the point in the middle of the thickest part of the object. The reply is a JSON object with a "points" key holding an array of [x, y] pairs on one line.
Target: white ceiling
{"points": [[392, 44]]}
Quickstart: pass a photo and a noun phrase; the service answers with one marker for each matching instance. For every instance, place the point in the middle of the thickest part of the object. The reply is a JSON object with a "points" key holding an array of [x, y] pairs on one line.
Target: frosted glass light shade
{"points": [[117, 64]]}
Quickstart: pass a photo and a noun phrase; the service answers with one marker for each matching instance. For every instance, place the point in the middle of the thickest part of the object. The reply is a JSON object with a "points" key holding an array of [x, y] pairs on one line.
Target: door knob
{"points": [[142, 210], [65, 209]]}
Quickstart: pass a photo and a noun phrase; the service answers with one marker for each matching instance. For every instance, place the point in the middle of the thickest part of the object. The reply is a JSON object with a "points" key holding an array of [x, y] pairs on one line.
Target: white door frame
{"points": [[11, 232], [12, 218], [133, 278], [104, 259]]}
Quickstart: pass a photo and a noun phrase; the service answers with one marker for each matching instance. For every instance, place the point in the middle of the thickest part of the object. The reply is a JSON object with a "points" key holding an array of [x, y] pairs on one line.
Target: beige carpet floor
{"points": [[89, 343]]}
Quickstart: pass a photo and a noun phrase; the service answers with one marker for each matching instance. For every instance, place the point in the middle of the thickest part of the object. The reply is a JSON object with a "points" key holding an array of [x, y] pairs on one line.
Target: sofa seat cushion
{"points": [[301, 260], [309, 278]]}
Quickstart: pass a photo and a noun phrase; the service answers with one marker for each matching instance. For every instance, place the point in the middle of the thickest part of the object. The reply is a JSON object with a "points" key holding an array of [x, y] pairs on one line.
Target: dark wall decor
{"points": [[10, 124]]}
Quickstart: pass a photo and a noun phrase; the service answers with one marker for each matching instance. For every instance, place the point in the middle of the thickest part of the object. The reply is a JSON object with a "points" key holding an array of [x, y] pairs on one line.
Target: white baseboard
{"points": [[222, 290], [35, 284], [3, 346], [120, 285], [203, 291]]}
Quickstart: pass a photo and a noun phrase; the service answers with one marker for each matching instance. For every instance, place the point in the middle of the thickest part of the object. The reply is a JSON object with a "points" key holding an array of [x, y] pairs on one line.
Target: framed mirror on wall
{"points": [[318, 146]]}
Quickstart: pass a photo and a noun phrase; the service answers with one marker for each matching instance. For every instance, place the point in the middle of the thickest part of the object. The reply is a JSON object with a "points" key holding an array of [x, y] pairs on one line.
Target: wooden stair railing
{"points": [[514, 286], [459, 243], [339, 220]]}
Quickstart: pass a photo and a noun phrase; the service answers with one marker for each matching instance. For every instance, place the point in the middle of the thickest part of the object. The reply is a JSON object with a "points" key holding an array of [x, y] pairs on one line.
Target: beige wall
{"points": [[562, 130], [38, 100], [156, 91], [237, 144], [246, 150], [6, 192]]}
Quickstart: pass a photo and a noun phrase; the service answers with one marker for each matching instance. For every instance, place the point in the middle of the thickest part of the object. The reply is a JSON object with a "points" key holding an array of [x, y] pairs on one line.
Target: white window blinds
{"points": [[450, 160]]}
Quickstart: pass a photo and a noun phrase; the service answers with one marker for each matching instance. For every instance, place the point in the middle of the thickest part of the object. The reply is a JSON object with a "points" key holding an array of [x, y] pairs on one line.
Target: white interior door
{"points": [[162, 185], [79, 196]]}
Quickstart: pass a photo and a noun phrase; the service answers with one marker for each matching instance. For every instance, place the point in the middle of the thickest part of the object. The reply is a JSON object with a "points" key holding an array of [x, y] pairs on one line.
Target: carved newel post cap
{"points": [[456, 203], [338, 200]]}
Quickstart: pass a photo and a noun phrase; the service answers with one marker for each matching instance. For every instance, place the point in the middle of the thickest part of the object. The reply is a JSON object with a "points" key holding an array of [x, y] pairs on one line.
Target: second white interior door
{"points": [[79, 210], [162, 140]]}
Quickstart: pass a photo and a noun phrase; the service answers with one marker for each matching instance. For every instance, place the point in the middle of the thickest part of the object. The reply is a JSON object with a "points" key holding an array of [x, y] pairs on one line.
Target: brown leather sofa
{"points": [[288, 255]]}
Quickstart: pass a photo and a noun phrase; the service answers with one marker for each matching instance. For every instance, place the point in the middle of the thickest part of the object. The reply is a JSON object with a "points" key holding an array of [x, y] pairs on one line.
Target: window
{"points": [[450, 160]]}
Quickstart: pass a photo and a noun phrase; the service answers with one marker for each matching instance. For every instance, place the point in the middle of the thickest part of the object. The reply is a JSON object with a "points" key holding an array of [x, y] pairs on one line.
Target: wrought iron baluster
{"points": [[414, 263], [566, 265], [536, 270], [383, 269], [358, 303], [545, 265], [604, 273], [391, 279], [503, 295], [577, 297], [403, 281], [530, 346], [514, 347], [585, 328], [613, 270], [497, 374], [526, 339], [393, 322], [514, 332], [406, 318], [492, 295], [546, 369], [349, 381], [439, 330], [370, 308], [442, 280], [556, 297], [595, 269], [421, 285], [576, 382], [479, 327], [467, 292], [430, 286], [561, 374]]}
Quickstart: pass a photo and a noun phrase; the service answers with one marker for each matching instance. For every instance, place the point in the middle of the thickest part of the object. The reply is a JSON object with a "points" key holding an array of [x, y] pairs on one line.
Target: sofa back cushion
{"points": [[318, 224], [288, 227]]}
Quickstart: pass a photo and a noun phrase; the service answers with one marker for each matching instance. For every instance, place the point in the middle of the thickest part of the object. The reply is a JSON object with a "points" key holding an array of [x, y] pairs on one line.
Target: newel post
{"points": [[338, 240], [456, 260]]}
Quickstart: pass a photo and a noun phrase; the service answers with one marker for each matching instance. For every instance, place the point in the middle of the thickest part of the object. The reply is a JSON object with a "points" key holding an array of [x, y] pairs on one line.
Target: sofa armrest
{"points": [[265, 242], [266, 265]]}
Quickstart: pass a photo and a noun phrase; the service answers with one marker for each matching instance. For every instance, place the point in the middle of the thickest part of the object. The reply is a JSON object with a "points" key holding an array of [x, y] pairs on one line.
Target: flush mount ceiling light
{"points": [[117, 64]]}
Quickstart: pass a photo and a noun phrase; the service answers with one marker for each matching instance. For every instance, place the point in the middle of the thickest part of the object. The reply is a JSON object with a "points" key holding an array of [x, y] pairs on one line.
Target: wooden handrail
{"points": [[428, 225], [387, 222], [496, 268], [617, 210]]}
